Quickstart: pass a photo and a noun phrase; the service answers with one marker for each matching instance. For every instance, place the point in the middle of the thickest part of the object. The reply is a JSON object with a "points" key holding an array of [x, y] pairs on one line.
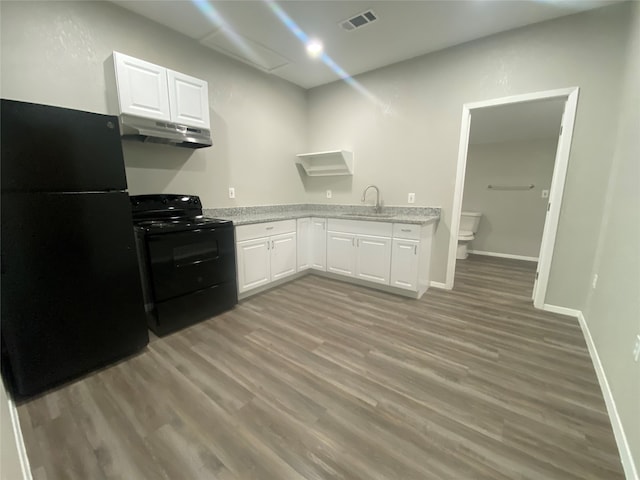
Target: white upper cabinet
{"points": [[150, 91], [188, 99], [142, 88]]}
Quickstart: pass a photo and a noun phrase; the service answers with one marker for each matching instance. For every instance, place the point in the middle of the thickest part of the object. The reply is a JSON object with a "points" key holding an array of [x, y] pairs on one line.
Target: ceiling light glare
{"points": [[314, 48]]}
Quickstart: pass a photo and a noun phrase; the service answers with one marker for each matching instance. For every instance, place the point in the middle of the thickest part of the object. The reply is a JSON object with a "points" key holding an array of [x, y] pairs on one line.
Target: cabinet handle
{"points": [[269, 228], [353, 242], [405, 229], [358, 242], [415, 249], [268, 242], [273, 245]]}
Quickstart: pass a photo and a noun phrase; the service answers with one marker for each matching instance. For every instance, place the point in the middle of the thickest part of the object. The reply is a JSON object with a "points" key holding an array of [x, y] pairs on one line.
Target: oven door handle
{"points": [[195, 262]]}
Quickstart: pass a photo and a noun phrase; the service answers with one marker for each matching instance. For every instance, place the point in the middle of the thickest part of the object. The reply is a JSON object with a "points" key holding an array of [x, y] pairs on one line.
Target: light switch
{"points": [[232, 192]]}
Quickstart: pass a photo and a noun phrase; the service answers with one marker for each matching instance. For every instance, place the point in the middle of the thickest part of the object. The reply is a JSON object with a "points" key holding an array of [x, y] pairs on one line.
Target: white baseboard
{"points": [[572, 312], [626, 457], [439, 285], [618, 430], [17, 433], [504, 255]]}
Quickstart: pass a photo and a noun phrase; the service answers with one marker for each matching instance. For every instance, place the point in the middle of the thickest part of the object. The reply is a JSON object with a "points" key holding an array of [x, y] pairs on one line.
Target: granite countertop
{"points": [[272, 213]]}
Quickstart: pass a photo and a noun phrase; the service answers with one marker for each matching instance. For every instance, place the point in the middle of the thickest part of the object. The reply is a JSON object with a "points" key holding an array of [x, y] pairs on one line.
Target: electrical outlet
{"points": [[232, 192], [636, 349], [411, 198], [545, 193], [594, 282], [328, 193]]}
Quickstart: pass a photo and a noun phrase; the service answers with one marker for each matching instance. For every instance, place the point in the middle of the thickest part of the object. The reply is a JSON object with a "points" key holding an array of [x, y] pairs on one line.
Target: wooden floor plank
{"points": [[318, 379]]}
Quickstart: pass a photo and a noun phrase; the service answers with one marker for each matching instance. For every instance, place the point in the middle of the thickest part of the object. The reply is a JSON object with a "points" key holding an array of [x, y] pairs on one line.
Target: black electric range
{"points": [[187, 261]]}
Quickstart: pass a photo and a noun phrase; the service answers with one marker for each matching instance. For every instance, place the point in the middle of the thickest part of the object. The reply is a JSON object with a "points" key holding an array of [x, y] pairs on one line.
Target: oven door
{"points": [[185, 262]]}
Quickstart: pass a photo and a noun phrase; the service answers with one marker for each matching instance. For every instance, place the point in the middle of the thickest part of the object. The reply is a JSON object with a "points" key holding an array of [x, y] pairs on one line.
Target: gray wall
{"points": [[613, 307], [512, 220], [58, 53], [408, 142]]}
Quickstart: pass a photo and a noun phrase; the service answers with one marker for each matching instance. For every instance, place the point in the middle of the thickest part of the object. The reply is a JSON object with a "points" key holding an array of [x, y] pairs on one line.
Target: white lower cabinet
{"points": [[318, 237], [265, 259], [404, 263], [304, 243], [341, 255], [392, 254], [373, 259], [312, 244], [411, 257], [254, 261], [283, 255], [354, 249]]}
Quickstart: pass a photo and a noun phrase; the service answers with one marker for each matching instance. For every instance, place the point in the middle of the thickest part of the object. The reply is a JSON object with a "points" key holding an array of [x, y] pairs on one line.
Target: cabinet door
{"points": [[341, 257], [374, 258], [404, 264], [304, 243], [142, 87], [318, 244], [253, 263], [188, 99], [283, 255]]}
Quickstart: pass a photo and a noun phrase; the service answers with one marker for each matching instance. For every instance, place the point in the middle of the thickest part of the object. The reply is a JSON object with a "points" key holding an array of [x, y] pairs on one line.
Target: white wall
{"points": [[58, 52], [409, 141], [512, 220], [613, 308]]}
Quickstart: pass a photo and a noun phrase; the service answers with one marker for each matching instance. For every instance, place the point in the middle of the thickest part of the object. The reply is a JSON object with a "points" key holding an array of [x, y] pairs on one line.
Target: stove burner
{"points": [[163, 212]]}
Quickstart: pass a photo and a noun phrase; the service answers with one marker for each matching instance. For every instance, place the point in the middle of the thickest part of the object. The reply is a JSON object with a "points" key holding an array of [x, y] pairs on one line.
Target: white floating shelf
{"points": [[324, 164]]}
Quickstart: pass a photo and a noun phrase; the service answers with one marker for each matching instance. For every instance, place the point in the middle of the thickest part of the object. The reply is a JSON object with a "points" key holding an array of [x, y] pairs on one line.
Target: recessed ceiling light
{"points": [[314, 48]]}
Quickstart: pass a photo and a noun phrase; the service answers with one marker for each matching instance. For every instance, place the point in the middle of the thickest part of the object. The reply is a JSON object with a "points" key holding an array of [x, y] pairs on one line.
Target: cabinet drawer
{"points": [[406, 230], [360, 227], [257, 230]]}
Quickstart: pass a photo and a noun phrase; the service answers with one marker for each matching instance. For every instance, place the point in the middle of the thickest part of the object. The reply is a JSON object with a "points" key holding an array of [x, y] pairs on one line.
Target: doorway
{"points": [[480, 109]]}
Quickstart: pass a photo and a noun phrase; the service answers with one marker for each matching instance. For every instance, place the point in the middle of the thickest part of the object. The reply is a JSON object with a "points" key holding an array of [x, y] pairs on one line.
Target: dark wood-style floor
{"points": [[318, 379]]}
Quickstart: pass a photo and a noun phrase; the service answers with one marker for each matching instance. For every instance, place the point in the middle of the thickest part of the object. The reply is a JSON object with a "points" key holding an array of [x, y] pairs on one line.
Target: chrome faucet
{"points": [[378, 206]]}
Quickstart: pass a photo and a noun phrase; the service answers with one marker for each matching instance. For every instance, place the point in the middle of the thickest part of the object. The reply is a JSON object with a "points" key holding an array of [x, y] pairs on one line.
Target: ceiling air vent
{"points": [[359, 20]]}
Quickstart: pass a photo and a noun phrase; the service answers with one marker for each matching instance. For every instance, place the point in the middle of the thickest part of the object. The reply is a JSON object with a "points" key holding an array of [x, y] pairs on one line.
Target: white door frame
{"points": [[555, 192]]}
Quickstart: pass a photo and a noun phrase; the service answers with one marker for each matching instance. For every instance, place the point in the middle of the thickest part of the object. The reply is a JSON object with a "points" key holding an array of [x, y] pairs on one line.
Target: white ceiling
{"points": [[404, 29], [517, 122]]}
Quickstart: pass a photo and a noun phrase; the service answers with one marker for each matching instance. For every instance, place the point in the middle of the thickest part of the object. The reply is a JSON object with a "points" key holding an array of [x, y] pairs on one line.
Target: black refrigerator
{"points": [[71, 298]]}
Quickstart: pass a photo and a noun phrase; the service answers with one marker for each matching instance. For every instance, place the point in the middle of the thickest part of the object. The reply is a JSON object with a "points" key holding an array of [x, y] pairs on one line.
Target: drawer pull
{"points": [[269, 228], [405, 229]]}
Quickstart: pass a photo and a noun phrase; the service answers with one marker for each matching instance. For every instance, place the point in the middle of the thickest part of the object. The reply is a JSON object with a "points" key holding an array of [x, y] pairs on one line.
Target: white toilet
{"points": [[469, 222]]}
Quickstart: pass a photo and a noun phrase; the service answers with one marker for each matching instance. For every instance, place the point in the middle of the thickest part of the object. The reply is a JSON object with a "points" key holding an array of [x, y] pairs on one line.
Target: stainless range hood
{"points": [[158, 131]]}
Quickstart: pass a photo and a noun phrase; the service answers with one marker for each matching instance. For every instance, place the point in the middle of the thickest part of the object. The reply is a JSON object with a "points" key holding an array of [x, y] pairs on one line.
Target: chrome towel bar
{"points": [[511, 187]]}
